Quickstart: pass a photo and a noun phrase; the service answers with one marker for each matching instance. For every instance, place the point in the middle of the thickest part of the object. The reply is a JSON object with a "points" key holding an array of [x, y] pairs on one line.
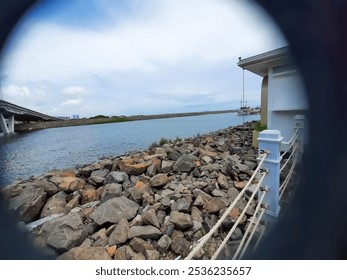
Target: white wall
{"points": [[286, 98]]}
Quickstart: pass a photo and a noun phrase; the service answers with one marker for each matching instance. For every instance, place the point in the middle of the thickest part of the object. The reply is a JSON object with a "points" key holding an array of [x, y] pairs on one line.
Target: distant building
{"points": [[282, 93], [75, 117]]}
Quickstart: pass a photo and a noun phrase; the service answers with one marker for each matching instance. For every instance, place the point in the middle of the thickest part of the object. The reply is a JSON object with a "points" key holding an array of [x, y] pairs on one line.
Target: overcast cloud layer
{"points": [[135, 57]]}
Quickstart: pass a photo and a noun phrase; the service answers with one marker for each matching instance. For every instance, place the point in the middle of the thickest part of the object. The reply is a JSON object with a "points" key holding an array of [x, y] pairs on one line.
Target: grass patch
{"points": [[258, 127], [112, 120]]}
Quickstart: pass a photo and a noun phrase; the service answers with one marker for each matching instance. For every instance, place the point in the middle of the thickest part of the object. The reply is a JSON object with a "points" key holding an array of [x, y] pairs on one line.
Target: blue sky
{"points": [[125, 57]]}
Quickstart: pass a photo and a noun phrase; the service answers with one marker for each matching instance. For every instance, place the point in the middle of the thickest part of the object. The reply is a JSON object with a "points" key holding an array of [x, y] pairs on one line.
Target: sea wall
{"points": [[153, 204], [76, 122]]}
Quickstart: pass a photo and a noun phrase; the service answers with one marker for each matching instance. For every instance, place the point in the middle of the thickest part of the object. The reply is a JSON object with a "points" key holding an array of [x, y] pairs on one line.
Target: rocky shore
{"points": [[153, 204]]}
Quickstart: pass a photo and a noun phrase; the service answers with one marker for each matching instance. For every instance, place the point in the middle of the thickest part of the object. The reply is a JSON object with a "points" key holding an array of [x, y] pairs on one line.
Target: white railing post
{"points": [[270, 142]]}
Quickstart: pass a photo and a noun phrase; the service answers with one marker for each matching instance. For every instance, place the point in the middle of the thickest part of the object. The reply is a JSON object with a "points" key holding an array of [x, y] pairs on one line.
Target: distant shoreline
{"points": [[85, 121]]}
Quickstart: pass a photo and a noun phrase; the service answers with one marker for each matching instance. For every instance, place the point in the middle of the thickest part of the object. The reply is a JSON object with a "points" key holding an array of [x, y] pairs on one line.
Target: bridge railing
{"points": [[273, 160]]}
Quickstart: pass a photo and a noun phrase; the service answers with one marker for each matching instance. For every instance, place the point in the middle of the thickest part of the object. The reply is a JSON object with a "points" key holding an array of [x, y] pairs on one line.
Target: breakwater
{"points": [[77, 122], [152, 204]]}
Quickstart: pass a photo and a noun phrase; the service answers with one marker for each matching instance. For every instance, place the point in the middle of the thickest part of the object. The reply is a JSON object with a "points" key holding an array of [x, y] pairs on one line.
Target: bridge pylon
{"points": [[7, 125]]}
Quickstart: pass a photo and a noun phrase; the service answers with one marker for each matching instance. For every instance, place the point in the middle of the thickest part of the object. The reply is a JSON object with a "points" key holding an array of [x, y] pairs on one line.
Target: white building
{"points": [[282, 92]]}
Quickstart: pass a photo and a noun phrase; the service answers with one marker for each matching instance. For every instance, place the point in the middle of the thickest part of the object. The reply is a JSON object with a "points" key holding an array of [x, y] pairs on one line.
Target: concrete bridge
{"points": [[9, 113]]}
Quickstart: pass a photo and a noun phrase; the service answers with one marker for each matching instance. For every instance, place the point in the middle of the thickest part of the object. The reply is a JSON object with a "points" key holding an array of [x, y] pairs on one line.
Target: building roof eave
{"points": [[259, 64]]}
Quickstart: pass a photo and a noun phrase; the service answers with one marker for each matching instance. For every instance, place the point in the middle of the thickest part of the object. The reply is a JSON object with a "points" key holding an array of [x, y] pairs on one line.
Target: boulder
{"points": [[72, 203], [211, 167], [219, 193], [198, 192], [154, 168], [100, 238], [166, 166], [28, 203], [85, 253], [180, 246], [185, 163], [71, 184], [139, 245], [163, 243], [222, 181], [199, 201], [116, 177], [145, 232], [152, 255], [49, 187], [180, 220], [196, 214], [89, 194], [182, 204], [64, 233], [114, 210], [120, 234], [111, 191], [214, 205], [54, 205], [240, 185], [159, 180], [132, 168], [149, 217]]}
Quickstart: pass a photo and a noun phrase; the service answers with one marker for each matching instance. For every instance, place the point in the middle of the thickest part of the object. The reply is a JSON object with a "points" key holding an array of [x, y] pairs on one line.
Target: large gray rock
{"points": [[65, 232], [182, 204], [149, 217], [166, 166], [116, 177], [120, 233], [54, 205], [145, 232], [185, 163], [180, 220], [163, 243], [180, 246], [100, 173], [111, 191], [85, 253], [139, 245], [28, 203], [114, 210], [49, 187], [211, 167]]}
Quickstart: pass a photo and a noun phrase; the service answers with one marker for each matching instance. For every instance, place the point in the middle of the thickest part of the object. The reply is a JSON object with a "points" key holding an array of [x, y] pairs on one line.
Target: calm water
{"points": [[34, 153]]}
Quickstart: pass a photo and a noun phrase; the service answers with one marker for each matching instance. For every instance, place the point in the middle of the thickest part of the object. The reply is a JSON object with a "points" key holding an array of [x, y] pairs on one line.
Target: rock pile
{"points": [[145, 205]]}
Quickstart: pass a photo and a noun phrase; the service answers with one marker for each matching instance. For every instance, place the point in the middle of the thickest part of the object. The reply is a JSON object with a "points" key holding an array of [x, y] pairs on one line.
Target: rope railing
{"points": [[206, 237], [262, 229], [287, 179], [291, 142], [289, 158], [215, 255], [254, 222]]}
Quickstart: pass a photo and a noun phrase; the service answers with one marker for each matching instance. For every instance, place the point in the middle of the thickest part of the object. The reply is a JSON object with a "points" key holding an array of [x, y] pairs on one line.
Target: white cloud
{"points": [[208, 31], [74, 90], [169, 54], [74, 101], [16, 91]]}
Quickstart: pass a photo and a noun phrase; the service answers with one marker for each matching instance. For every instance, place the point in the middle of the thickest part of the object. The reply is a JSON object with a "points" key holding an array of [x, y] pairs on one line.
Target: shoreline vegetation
{"points": [[104, 120], [144, 205]]}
